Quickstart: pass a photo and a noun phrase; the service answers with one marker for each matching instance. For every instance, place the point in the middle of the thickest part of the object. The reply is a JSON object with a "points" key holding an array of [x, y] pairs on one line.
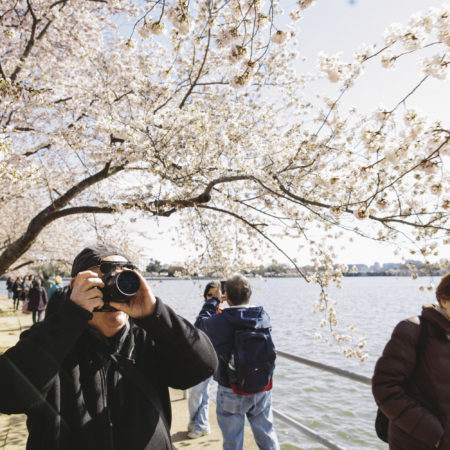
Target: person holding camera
{"points": [[95, 373]]}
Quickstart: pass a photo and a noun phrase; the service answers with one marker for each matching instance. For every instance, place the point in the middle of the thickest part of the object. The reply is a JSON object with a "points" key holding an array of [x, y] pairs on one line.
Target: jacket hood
{"points": [[252, 317], [432, 313]]}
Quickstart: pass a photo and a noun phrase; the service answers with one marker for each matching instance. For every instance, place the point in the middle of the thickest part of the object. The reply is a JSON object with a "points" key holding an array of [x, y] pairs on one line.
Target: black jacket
{"points": [[60, 375], [37, 298]]}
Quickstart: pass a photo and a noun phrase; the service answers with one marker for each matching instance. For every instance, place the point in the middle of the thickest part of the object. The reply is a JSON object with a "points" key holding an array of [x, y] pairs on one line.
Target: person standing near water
{"points": [[198, 401], [17, 291], [37, 298], [411, 381], [234, 405], [47, 283]]}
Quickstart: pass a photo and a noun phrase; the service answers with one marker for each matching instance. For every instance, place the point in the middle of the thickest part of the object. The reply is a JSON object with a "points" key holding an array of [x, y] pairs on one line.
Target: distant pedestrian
{"points": [[198, 401], [26, 286], [9, 285], [55, 296], [57, 285], [37, 300], [47, 283], [17, 292]]}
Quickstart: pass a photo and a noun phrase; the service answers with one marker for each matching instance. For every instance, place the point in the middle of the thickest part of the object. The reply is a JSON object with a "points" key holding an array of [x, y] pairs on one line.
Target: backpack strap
{"points": [[423, 334]]}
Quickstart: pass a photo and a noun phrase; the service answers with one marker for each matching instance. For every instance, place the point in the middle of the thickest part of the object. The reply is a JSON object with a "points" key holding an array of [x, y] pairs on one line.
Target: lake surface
{"points": [[340, 410]]}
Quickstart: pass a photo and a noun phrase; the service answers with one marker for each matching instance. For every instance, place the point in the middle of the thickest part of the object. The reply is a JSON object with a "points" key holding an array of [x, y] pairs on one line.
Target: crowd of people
{"points": [[34, 292], [95, 372]]}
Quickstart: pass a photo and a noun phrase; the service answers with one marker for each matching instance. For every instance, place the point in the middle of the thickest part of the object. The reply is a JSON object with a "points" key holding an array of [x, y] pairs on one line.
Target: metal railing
{"points": [[299, 426]]}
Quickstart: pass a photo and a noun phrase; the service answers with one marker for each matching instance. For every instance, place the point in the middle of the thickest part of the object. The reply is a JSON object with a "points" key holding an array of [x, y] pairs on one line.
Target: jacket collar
{"points": [[433, 314]]}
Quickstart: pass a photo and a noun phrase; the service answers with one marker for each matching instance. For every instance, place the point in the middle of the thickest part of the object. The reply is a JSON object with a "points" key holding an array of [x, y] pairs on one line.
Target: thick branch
{"points": [[26, 263], [54, 211], [29, 45]]}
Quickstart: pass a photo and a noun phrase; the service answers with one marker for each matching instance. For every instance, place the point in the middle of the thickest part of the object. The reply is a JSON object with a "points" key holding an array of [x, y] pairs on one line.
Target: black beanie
{"points": [[93, 255]]}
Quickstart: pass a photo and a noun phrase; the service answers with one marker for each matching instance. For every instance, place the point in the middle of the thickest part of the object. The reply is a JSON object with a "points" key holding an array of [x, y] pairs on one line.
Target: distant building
{"points": [[362, 268]]}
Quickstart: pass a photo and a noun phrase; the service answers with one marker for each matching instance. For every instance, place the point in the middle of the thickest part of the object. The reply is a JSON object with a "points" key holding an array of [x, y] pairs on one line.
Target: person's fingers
{"points": [[88, 280], [86, 274], [124, 307], [85, 290], [93, 293]]}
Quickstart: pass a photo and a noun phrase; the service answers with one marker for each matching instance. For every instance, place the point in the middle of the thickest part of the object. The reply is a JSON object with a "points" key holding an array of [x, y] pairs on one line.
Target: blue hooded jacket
{"points": [[220, 329]]}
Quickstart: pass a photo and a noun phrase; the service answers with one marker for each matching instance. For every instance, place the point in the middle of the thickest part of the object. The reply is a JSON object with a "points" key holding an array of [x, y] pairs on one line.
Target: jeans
{"points": [[39, 316], [198, 403], [232, 409]]}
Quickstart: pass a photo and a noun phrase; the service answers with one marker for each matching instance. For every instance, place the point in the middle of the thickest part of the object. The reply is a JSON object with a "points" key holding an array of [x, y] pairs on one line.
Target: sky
{"points": [[341, 26]]}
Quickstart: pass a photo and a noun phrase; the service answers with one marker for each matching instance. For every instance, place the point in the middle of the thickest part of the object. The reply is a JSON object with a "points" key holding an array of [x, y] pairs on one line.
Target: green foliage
{"points": [[154, 266], [172, 270]]}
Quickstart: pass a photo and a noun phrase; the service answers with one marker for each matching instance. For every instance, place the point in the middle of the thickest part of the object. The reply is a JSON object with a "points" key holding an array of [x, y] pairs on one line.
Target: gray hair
{"points": [[238, 289]]}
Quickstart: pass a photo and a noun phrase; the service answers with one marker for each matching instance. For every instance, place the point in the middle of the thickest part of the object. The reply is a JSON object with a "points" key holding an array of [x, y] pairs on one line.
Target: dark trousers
{"points": [[39, 316]]}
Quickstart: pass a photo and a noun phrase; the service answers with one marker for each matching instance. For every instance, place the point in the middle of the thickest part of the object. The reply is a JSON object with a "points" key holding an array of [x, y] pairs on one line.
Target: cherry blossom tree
{"points": [[195, 109]]}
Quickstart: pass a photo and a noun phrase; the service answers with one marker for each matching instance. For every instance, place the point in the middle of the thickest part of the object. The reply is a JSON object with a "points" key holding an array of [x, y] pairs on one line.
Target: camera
{"points": [[222, 286], [119, 287]]}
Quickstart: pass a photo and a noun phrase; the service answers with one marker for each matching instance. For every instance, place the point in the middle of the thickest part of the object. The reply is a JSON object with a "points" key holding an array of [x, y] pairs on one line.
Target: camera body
{"points": [[222, 286], [120, 287]]}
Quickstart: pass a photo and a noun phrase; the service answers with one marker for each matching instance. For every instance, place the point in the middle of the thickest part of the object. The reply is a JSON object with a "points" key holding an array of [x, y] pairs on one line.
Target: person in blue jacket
{"points": [[198, 401], [232, 408]]}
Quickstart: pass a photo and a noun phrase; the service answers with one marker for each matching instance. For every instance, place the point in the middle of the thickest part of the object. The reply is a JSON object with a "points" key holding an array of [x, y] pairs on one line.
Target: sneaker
{"points": [[197, 434], [190, 427]]}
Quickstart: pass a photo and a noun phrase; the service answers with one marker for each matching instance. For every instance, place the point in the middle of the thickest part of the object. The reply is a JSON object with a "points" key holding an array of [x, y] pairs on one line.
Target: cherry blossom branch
{"points": [[406, 172], [188, 93], [261, 233], [409, 94]]}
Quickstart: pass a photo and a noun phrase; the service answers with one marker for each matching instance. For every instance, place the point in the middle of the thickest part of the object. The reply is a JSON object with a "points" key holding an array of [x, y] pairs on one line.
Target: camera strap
{"points": [[127, 368]]}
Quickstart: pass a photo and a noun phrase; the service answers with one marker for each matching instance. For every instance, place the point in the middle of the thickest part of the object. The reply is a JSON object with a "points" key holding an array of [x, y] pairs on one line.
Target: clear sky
{"points": [[341, 26]]}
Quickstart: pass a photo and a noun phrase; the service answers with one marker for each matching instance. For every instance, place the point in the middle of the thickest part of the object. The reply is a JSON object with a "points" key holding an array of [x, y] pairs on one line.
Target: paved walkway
{"points": [[13, 431]]}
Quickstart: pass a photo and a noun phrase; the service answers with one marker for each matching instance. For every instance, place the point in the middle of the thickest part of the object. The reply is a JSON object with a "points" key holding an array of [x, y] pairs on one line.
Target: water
{"points": [[341, 410]]}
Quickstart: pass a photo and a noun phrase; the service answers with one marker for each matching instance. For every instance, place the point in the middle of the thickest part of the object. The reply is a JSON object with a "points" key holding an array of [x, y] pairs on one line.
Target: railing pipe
{"points": [[305, 430], [343, 373], [318, 365]]}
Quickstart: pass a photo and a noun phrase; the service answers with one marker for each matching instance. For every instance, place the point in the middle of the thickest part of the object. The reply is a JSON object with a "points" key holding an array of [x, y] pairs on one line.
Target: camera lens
{"points": [[128, 282]]}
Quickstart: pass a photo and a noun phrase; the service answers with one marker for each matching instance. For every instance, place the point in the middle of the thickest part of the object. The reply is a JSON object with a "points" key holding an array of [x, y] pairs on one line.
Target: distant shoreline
{"points": [[294, 276], [346, 275]]}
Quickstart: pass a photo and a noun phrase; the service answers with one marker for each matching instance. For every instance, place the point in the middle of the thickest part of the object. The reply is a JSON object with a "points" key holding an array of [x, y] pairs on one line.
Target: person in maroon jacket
{"points": [[37, 300], [413, 388]]}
